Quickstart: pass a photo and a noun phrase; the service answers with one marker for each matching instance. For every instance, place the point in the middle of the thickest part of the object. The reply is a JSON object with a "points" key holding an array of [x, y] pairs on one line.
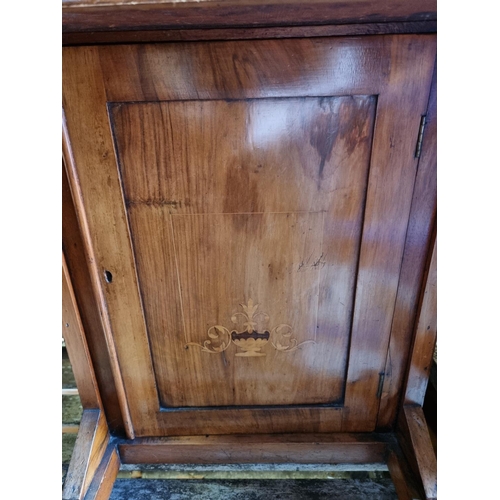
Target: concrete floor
{"points": [[244, 489], [233, 482]]}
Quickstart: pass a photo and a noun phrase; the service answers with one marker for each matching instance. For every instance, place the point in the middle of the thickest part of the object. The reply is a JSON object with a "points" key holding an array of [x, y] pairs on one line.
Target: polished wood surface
{"points": [[90, 445], [108, 15], [108, 83], [266, 206], [385, 225], [78, 246], [284, 448], [418, 245], [78, 272], [248, 69]]}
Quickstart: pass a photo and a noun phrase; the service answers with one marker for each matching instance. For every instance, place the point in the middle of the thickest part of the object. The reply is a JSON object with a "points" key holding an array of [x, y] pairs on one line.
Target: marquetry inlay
{"points": [[247, 337]]}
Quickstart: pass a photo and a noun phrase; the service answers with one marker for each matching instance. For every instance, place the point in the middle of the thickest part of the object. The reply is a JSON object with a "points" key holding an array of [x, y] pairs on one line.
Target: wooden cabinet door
{"points": [[244, 206]]}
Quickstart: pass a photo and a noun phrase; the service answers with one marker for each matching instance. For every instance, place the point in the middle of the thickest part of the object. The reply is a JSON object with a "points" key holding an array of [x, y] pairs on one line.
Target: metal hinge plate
{"points": [[380, 384], [418, 148]]}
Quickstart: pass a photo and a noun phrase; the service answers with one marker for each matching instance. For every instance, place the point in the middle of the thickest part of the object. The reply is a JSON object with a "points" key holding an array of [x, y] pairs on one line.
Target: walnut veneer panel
{"points": [[246, 222]]}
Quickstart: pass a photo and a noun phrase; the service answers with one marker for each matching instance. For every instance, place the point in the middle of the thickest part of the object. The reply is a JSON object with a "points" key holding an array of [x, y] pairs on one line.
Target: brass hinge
{"points": [[380, 384], [418, 148]]}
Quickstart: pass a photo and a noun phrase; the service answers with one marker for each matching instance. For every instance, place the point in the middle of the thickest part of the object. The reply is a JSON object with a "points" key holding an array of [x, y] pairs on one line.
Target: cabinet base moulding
{"points": [[279, 448]]}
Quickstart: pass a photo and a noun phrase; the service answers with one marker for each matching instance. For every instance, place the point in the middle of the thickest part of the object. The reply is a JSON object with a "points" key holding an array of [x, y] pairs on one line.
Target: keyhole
{"points": [[108, 276]]}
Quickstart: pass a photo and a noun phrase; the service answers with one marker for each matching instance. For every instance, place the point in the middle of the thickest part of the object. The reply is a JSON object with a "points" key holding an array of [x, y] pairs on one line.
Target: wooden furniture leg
{"points": [[91, 443], [416, 444], [101, 486], [399, 476], [95, 462]]}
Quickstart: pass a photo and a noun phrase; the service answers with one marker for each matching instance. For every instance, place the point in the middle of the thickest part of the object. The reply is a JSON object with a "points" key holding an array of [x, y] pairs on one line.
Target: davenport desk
{"points": [[249, 265]]}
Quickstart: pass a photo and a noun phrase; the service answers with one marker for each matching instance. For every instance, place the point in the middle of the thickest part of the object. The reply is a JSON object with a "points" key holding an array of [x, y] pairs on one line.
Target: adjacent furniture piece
{"points": [[249, 200]]}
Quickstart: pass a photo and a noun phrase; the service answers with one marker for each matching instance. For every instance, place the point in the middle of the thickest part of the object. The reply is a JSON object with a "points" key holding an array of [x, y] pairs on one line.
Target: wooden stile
{"points": [[249, 200]]}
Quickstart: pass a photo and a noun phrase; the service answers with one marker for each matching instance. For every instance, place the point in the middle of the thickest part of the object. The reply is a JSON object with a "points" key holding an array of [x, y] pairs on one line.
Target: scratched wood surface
{"points": [[265, 204], [216, 178]]}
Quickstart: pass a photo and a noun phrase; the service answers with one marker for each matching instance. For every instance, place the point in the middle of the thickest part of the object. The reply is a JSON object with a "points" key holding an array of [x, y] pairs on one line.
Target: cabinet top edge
{"points": [[88, 17]]}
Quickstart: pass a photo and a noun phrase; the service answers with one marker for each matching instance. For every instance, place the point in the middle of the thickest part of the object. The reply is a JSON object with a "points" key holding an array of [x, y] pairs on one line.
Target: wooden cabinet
{"points": [[255, 226]]}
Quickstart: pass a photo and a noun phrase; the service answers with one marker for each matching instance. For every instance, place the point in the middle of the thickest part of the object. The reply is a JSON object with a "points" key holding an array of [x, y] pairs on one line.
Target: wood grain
{"points": [[77, 264], [267, 206], [286, 448], [417, 446], [248, 70], [120, 15], [102, 484], [425, 338], [398, 477], [87, 114], [417, 247], [91, 442], [397, 69], [390, 188], [252, 156], [176, 35], [76, 345]]}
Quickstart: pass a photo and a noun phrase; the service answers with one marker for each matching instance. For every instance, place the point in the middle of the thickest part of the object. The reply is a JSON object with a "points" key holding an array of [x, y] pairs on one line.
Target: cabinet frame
{"points": [[404, 381], [94, 77]]}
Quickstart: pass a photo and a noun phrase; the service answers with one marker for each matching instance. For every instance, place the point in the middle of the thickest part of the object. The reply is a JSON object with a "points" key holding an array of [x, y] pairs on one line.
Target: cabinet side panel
{"points": [[425, 338], [417, 246], [78, 269], [98, 199], [390, 187]]}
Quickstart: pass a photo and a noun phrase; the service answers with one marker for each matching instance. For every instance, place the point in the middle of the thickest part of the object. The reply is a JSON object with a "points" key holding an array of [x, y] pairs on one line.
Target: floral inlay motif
{"points": [[249, 340]]}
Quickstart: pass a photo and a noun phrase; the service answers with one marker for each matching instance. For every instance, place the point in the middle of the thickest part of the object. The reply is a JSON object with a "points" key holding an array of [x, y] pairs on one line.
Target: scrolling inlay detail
{"points": [[249, 340]]}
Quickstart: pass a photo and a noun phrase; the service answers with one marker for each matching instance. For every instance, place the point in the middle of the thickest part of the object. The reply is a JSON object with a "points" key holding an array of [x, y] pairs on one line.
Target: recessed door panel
{"points": [[246, 221]]}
